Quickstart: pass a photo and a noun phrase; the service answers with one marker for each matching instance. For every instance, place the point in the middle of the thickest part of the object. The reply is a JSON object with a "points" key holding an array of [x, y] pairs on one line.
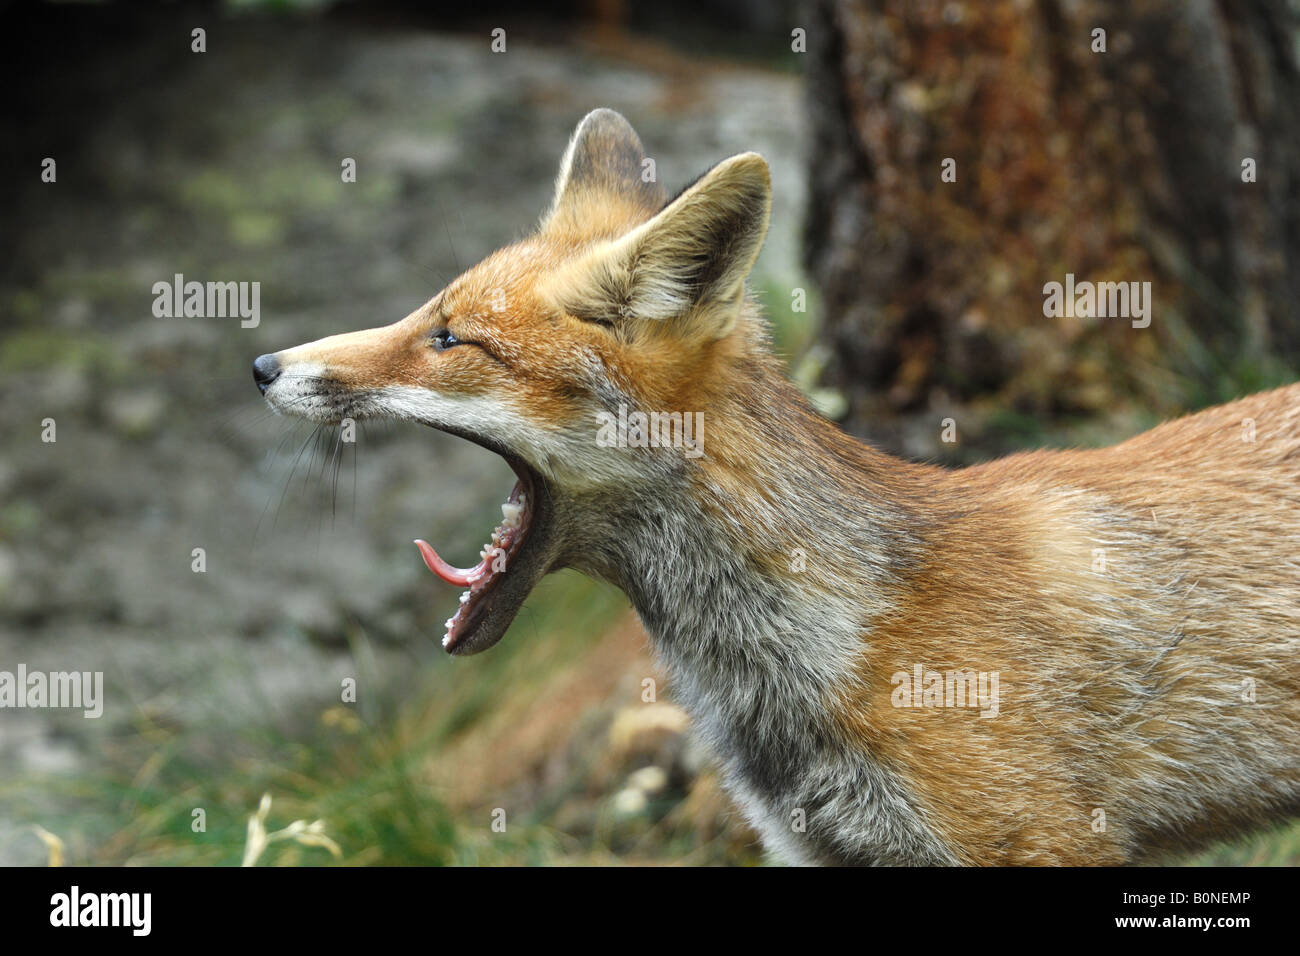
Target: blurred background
{"points": [[924, 302]]}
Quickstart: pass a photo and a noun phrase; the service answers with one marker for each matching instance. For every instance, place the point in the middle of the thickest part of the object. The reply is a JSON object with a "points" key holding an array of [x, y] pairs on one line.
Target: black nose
{"points": [[266, 369]]}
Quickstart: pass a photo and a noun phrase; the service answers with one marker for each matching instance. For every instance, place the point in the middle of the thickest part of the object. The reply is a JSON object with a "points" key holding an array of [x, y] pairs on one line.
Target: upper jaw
{"points": [[306, 391]]}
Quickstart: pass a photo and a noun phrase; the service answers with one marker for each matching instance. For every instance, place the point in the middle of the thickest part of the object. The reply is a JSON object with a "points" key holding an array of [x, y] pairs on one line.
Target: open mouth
{"points": [[521, 550], [497, 585]]}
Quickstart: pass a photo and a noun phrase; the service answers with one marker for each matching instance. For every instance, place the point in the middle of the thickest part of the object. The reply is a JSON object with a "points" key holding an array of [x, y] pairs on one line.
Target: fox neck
{"points": [[756, 572], [760, 537]]}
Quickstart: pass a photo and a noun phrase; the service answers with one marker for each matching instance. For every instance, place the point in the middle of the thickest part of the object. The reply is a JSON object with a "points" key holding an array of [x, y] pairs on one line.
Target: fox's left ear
{"points": [[604, 167], [686, 266]]}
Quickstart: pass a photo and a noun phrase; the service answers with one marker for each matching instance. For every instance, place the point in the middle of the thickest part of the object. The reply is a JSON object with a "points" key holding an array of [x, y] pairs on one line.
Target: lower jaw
{"points": [[503, 559], [497, 559]]}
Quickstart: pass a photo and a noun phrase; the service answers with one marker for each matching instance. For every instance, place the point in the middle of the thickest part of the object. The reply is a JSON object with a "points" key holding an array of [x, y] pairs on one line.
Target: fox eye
{"points": [[443, 339]]}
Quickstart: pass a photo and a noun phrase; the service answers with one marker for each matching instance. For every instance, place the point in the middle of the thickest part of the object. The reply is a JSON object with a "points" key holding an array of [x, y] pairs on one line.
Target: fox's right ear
{"points": [[686, 266], [605, 162]]}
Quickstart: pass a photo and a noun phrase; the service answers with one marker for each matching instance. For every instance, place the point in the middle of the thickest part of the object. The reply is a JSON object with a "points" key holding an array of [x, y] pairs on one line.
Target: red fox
{"points": [[1059, 657]]}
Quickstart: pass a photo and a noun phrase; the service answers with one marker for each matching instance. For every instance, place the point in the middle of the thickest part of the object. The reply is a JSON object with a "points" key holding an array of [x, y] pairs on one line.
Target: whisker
{"points": [[292, 471], [451, 246], [271, 458]]}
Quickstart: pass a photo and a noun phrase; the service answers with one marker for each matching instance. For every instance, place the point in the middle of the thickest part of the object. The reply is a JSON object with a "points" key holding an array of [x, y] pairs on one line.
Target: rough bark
{"points": [[1117, 166]]}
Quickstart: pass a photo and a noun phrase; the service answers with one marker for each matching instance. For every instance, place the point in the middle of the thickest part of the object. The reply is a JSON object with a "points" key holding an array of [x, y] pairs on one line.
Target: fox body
{"points": [[1135, 609]]}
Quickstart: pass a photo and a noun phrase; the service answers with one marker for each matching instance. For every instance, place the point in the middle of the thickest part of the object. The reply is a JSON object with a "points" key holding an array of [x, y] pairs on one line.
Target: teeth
{"points": [[464, 598], [511, 512], [449, 623], [446, 640]]}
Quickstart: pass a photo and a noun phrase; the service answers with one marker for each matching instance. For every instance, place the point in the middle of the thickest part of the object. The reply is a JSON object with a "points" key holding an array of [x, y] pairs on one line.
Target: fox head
{"points": [[620, 302]]}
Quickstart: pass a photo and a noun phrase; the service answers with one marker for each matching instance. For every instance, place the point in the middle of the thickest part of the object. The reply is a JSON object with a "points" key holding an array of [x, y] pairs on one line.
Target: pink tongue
{"points": [[460, 577]]}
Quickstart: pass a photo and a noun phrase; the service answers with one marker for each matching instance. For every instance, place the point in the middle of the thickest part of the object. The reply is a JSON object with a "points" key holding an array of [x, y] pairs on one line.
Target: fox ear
{"points": [[605, 161], [686, 266]]}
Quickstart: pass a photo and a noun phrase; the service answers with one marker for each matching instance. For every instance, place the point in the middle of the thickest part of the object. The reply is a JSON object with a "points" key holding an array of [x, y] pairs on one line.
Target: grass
{"points": [[1278, 846], [164, 800]]}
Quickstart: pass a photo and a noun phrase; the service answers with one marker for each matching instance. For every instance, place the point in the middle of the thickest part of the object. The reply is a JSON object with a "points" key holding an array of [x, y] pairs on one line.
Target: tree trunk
{"points": [[1116, 166]]}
